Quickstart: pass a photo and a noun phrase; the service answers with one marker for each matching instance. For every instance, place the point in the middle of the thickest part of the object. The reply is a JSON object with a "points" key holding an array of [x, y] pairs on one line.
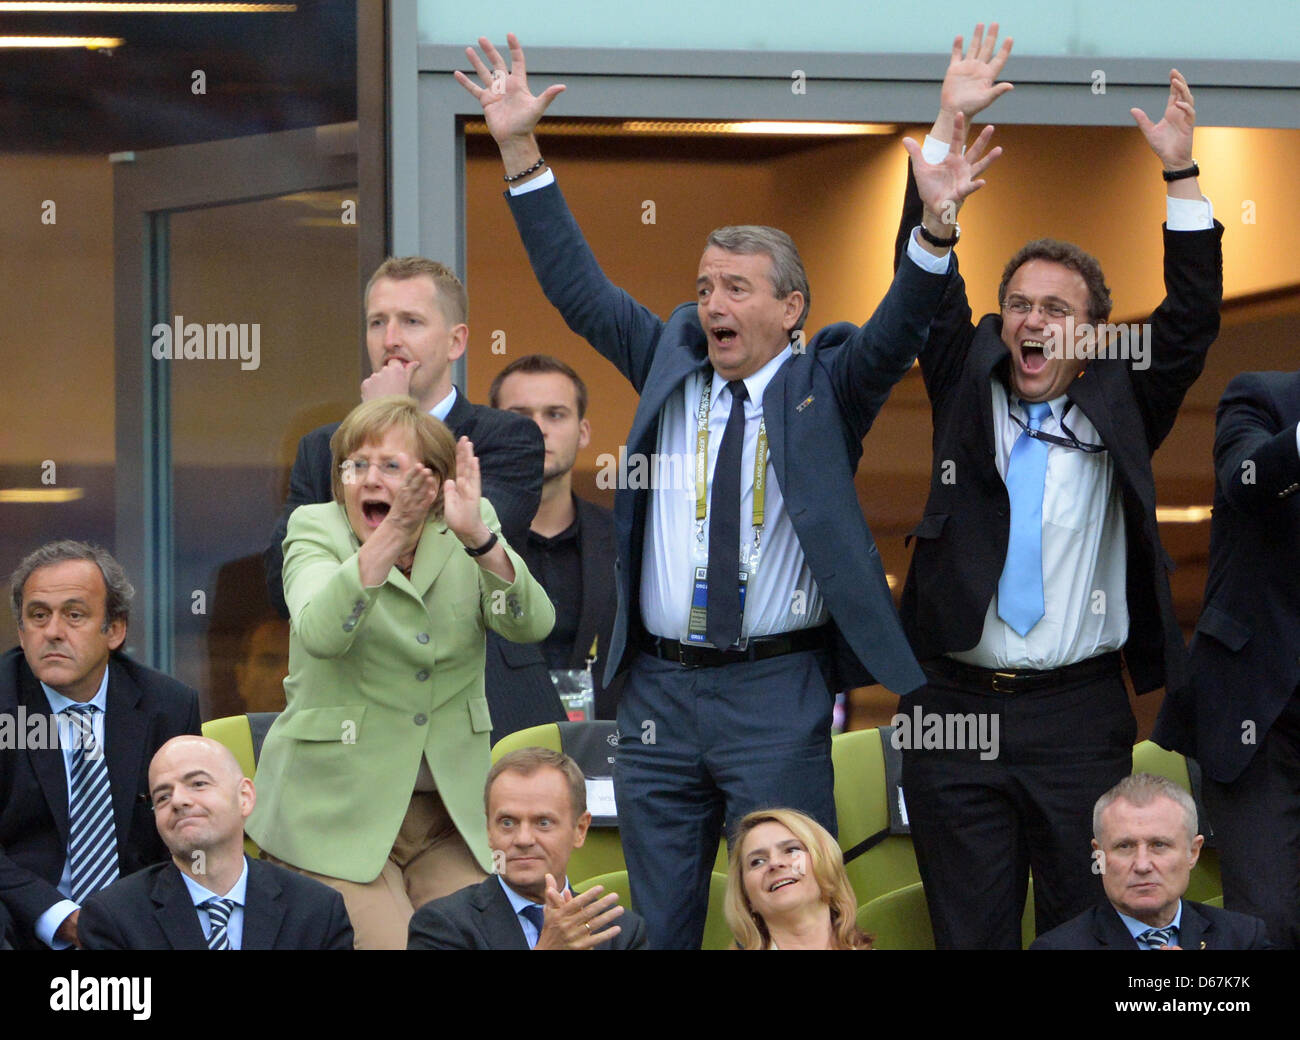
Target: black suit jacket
{"points": [[961, 541], [145, 709], [510, 453], [480, 917], [152, 910], [1203, 928], [1246, 649]]}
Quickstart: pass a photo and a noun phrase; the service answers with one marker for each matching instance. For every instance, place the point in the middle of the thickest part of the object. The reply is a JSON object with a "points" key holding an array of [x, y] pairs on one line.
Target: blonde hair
{"points": [[449, 291], [371, 420], [827, 868]]}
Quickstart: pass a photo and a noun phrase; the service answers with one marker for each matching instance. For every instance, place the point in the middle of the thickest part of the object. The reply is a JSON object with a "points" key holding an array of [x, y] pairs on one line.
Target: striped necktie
{"points": [[92, 839], [1154, 938], [219, 911]]}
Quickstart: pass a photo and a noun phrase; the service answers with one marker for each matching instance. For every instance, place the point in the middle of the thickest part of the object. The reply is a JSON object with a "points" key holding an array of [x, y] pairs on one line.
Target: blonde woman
{"points": [[786, 886]]}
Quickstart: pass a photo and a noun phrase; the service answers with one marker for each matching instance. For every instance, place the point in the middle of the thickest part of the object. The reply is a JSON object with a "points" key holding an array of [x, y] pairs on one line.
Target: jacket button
{"points": [[421, 675], [422, 638], [348, 626], [420, 719]]}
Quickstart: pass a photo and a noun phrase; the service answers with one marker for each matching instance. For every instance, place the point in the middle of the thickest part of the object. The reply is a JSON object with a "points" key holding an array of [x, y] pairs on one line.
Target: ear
{"points": [[459, 341], [247, 797], [793, 308], [116, 633], [580, 830], [1195, 854], [584, 434]]}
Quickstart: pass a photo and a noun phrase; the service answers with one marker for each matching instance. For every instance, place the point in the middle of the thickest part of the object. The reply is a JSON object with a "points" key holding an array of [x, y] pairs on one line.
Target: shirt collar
{"points": [[1060, 405], [442, 409], [1136, 927], [200, 895], [59, 703], [756, 384], [518, 902]]}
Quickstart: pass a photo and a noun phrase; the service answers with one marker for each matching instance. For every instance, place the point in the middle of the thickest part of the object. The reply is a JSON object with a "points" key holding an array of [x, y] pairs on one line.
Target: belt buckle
{"points": [[1009, 677]]}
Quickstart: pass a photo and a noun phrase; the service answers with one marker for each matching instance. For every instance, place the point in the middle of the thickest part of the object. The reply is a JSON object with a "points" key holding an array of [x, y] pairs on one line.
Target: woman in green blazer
{"points": [[372, 778]]}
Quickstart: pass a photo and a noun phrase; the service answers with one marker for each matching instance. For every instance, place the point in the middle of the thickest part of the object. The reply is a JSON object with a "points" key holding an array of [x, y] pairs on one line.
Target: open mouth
{"points": [[723, 334], [374, 511], [1033, 358], [783, 883]]}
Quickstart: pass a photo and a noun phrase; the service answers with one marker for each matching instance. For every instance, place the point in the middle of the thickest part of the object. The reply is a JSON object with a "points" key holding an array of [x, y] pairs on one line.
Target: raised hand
{"points": [[460, 498], [578, 922], [944, 186], [413, 499], [968, 85], [509, 107], [1171, 138]]}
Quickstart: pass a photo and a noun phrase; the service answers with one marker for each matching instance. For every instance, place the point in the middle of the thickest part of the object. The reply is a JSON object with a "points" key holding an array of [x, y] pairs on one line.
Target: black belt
{"points": [[759, 649], [1022, 680]]}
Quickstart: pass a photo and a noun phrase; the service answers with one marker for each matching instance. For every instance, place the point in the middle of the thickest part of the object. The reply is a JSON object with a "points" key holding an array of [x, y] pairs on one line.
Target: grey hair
{"points": [[119, 590], [788, 274], [1142, 789]]}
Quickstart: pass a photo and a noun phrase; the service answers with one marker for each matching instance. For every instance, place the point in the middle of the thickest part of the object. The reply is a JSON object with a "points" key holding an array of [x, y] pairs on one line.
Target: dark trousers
{"points": [[980, 825], [700, 747], [1256, 822]]}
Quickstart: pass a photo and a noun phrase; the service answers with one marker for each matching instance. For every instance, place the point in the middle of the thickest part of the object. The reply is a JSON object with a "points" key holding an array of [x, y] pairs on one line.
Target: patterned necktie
{"points": [[722, 623], [536, 916], [219, 911], [1158, 937], [1020, 589], [92, 839]]}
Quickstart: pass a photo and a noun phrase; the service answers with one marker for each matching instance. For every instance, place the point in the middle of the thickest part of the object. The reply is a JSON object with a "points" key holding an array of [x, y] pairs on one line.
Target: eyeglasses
{"points": [[355, 469], [1050, 308]]}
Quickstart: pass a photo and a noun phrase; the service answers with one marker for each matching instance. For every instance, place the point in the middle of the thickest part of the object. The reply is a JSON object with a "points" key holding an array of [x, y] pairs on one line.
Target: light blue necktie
{"points": [[1158, 937], [1020, 589]]}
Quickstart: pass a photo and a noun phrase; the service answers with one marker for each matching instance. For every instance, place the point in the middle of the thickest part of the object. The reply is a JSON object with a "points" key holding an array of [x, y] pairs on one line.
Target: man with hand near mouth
{"points": [[1038, 559], [415, 312], [536, 802], [210, 896], [1145, 846]]}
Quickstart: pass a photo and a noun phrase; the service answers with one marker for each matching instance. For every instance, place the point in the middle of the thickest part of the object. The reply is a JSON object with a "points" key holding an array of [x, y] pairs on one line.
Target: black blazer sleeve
{"points": [[309, 483], [511, 458], [432, 929], [97, 928]]}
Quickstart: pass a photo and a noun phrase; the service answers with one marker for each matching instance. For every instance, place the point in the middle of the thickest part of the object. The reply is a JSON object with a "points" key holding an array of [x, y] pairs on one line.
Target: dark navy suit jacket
{"points": [[1202, 928], [1246, 648], [152, 910], [818, 407], [145, 709]]}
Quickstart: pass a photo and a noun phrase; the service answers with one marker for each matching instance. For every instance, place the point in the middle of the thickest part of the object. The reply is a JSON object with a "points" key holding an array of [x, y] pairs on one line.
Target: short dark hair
{"points": [[528, 761], [788, 274], [118, 590], [535, 364], [1067, 254]]}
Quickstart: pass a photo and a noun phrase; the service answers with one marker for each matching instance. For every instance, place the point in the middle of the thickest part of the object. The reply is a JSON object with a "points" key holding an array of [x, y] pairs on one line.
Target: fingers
{"points": [[484, 73], [1143, 122], [1000, 59], [976, 41], [957, 51], [493, 55], [977, 149], [958, 133], [979, 167], [516, 53]]}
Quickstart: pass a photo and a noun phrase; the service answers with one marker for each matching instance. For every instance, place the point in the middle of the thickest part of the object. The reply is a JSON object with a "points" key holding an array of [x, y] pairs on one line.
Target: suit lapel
{"points": [[779, 400], [263, 908], [460, 417], [592, 547], [1109, 930], [498, 922], [174, 911], [1194, 930], [679, 364], [125, 731], [47, 764], [991, 352], [437, 544]]}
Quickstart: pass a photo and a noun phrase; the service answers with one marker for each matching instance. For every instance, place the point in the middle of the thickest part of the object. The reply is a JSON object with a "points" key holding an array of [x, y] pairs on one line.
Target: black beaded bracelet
{"points": [[1179, 175], [520, 176], [483, 549]]}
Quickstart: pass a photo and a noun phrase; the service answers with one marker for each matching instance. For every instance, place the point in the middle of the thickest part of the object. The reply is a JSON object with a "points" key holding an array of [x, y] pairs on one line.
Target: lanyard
{"points": [[702, 468]]}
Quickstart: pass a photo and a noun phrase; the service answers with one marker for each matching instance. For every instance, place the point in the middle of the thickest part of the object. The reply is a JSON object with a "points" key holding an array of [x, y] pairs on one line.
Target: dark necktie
{"points": [[219, 911], [722, 625], [1158, 937], [92, 839], [536, 917]]}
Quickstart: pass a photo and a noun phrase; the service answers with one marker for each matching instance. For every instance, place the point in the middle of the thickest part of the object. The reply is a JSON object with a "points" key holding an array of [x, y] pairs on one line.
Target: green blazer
{"points": [[378, 678]]}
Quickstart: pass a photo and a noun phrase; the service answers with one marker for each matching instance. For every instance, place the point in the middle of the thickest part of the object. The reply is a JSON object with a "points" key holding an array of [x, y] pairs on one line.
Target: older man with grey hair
{"points": [[79, 723], [1145, 846]]}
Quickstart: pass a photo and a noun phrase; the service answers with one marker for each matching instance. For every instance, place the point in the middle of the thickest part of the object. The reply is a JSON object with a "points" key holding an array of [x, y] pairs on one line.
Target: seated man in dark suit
{"points": [[1240, 715], [74, 807], [570, 542], [536, 803], [211, 895], [416, 311], [1145, 845]]}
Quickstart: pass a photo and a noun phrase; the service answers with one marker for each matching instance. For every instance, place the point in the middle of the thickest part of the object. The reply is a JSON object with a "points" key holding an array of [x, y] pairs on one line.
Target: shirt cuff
{"points": [[48, 923], [1189, 214], [924, 259], [546, 178], [933, 150], [1297, 437]]}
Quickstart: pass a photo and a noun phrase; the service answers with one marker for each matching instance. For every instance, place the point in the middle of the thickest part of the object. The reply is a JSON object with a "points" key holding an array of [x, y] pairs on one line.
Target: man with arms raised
{"points": [[746, 598]]}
